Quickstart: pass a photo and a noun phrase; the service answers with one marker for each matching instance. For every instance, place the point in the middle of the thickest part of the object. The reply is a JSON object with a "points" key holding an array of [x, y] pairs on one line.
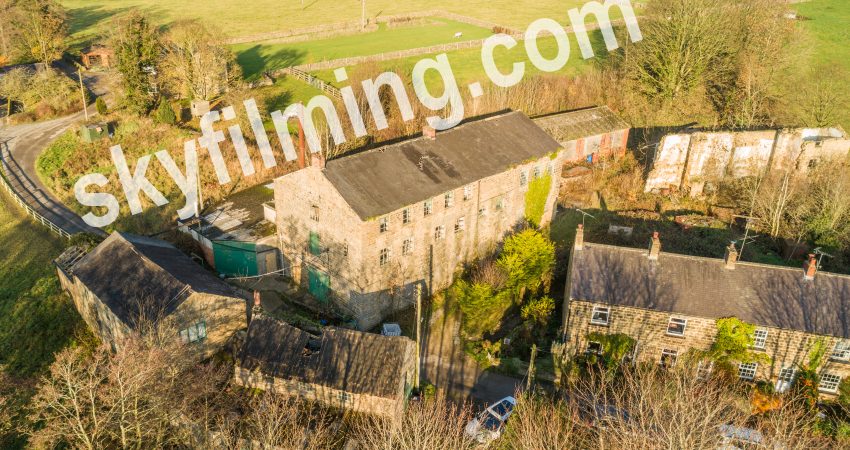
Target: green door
{"points": [[235, 259], [319, 283], [315, 244]]}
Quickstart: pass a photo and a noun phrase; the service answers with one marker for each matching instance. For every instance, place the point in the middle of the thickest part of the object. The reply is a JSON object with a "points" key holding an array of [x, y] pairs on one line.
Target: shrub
{"points": [[165, 113], [482, 308], [527, 259], [539, 311], [100, 106]]}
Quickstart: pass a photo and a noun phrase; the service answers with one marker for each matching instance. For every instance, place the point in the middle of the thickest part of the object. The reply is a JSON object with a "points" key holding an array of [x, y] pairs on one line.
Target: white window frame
{"points": [[601, 349], [467, 192], [440, 232], [841, 351], [194, 333], [523, 177], [786, 376], [428, 207], [760, 338], [747, 371], [460, 224], [537, 172], [449, 199], [599, 309], [384, 256], [833, 384], [704, 369], [678, 321], [674, 354], [407, 246], [383, 224], [406, 216]]}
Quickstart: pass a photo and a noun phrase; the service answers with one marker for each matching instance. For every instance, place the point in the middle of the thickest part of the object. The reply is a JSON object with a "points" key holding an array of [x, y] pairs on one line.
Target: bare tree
{"points": [[42, 28], [431, 424], [196, 64]]}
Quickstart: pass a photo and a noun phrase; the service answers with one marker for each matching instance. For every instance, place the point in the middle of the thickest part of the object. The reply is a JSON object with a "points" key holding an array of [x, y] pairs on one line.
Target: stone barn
{"points": [[129, 283], [353, 370]]}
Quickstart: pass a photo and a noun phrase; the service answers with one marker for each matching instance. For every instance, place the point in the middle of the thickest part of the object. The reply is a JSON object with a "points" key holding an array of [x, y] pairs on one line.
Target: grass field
{"points": [[258, 16], [36, 319], [258, 57], [467, 66], [828, 22]]}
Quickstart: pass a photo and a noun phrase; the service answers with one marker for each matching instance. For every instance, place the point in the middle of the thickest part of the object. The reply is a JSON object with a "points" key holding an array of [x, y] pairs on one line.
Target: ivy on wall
{"points": [[535, 199]]}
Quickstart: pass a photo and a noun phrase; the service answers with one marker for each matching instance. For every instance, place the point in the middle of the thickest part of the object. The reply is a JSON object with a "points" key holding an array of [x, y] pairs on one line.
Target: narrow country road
{"points": [[20, 147]]}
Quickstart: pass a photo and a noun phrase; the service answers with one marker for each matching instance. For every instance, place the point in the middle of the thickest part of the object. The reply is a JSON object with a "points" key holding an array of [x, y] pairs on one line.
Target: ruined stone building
{"points": [[129, 283], [588, 134], [691, 161], [346, 369], [670, 303]]}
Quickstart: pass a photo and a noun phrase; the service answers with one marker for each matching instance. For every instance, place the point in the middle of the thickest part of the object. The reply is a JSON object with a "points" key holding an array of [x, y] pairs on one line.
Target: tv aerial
{"points": [[584, 215], [818, 251]]}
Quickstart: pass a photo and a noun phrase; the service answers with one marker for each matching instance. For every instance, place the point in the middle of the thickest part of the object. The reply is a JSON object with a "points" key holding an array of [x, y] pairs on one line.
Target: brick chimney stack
{"points": [[654, 247], [429, 132], [731, 257], [579, 242], [317, 160], [811, 267], [258, 306]]}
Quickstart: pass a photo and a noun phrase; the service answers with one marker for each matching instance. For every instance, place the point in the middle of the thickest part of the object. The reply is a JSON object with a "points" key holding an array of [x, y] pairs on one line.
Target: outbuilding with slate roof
{"points": [[129, 283]]}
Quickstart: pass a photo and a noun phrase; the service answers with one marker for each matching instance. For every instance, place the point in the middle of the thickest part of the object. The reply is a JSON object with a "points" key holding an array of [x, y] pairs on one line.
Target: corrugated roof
{"points": [[569, 126], [756, 293], [352, 361], [135, 275], [388, 178]]}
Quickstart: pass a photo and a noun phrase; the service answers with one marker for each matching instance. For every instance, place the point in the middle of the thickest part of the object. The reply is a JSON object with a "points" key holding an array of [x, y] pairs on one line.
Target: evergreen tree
{"points": [[165, 114], [137, 50]]}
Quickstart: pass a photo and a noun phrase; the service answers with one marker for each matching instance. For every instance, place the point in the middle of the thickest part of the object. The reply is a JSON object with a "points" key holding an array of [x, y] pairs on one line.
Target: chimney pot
{"points": [[257, 302], [429, 132], [579, 242], [731, 257], [654, 247], [811, 267]]}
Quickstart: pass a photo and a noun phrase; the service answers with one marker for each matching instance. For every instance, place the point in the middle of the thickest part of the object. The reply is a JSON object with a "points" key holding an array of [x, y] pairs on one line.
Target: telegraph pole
{"points": [[418, 335], [529, 378], [83, 92]]}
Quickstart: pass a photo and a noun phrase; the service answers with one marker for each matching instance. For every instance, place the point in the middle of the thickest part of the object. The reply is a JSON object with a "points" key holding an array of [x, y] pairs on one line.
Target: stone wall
{"points": [[786, 348], [335, 398]]}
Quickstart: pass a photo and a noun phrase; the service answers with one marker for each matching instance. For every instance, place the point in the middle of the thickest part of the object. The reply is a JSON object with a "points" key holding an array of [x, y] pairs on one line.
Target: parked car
{"points": [[487, 426]]}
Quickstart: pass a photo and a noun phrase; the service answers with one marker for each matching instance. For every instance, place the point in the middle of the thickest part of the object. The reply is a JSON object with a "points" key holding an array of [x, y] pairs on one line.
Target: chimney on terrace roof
{"points": [[579, 242], [731, 257], [811, 267], [429, 132], [654, 247]]}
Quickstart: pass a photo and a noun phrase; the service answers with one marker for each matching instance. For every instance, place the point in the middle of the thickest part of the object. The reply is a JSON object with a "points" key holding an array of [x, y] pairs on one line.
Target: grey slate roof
{"points": [[756, 293], [129, 272], [569, 126], [388, 178], [352, 361]]}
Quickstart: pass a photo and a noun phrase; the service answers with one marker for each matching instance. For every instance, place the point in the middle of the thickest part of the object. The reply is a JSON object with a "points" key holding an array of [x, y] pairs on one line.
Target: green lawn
{"points": [[258, 57], [828, 21], [36, 319], [468, 68], [90, 17]]}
